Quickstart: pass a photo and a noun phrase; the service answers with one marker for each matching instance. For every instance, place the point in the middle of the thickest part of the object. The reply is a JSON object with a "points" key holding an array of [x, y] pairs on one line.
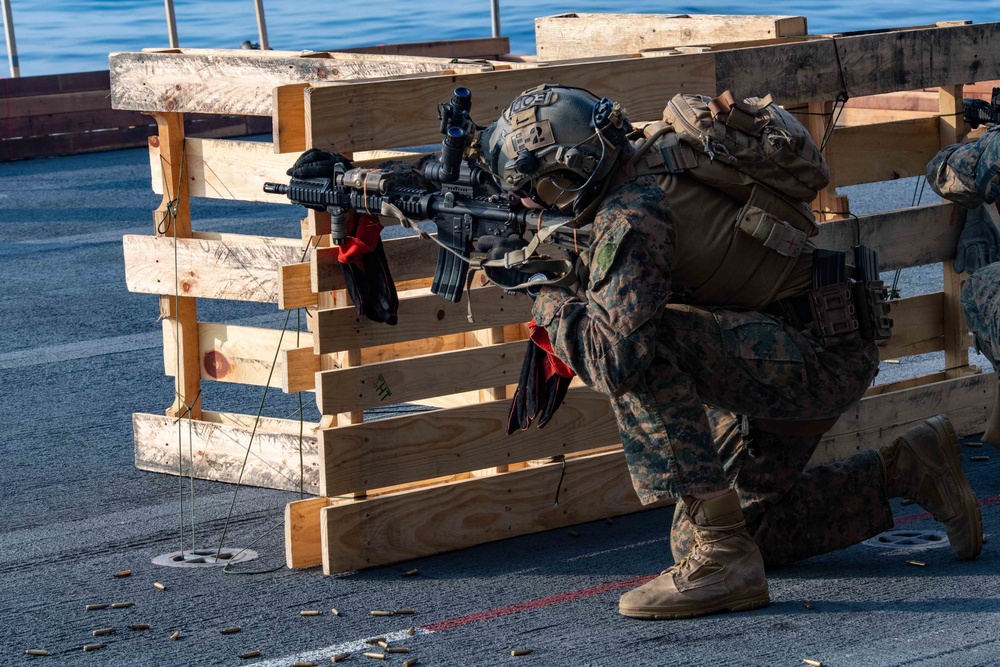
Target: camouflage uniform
{"points": [[661, 361], [966, 173]]}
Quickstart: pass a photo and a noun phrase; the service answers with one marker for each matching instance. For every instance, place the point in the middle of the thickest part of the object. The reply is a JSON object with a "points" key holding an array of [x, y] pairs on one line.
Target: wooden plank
{"points": [[234, 169], [476, 47], [288, 118], [218, 450], [409, 258], [242, 355], [73, 121], [404, 112], [237, 81], [865, 64], [303, 547], [414, 447], [883, 152], [854, 117], [57, 103], [576, 35], [49, 84], [918, 326], [408, 380], [879, 419], [392, 528], [905, 237], [295, 288], [424, 316], [244, 270]]}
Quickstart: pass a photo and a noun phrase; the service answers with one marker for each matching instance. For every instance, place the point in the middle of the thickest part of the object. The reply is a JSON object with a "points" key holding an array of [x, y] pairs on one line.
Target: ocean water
{"points": [[55, 36]]}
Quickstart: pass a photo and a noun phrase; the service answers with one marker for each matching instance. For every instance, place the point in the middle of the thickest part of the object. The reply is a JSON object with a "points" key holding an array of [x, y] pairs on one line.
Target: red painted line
{"points": [[459, 621], [985, 502], [452, 623]]}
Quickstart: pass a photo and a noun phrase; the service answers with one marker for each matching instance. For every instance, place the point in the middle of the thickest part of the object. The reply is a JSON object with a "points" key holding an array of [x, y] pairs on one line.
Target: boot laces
{"points": [[701, 541]]}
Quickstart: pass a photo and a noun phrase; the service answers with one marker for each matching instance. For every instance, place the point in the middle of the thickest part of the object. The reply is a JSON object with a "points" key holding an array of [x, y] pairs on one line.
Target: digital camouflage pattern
{"points": [[981, 303], [793, 512], [661, 362], [967, 173]]}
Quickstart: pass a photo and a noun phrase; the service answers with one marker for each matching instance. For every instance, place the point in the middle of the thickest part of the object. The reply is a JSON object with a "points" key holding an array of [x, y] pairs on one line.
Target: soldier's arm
{"points": [[608, 335]]}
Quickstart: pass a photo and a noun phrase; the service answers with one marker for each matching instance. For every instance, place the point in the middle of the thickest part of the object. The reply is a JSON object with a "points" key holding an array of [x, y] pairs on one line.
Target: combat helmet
{"points": [[555, 144]]}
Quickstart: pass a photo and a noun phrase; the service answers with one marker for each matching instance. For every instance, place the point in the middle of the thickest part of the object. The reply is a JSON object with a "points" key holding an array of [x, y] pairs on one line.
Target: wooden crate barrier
{"points": [[422, 483]]}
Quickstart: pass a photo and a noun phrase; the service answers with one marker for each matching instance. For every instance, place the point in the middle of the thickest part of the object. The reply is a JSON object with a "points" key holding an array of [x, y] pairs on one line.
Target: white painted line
{"points": [[323, 655]]}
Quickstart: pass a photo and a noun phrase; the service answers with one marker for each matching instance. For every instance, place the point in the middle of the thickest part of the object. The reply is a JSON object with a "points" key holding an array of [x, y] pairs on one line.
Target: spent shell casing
{"points": [[95, 607], [812, 663], [918, 563], [102, 632], [139, 626], [158, 586], [93, 647], [979, 458], [397, 649], [35, 651], [121, 605], [520, 651], [335, 611], [383, 643], [406, 611], [892, 361], [410, 662], [376, 640], [380, 612], [175, 636], [807, 605], [303, 664], [123, 573], [310, 612], [375, 656], [973, 444], [572, 533], [907, 501], [250, 654], [229, 631], [340, 656], [411, 573], [410, 631]]}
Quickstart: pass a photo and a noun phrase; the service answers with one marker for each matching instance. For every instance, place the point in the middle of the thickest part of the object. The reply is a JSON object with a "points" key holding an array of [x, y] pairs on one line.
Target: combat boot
{"points": [[924, 464], [723, 572]]}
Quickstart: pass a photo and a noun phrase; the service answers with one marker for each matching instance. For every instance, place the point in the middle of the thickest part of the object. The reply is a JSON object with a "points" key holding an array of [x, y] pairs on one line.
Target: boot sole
{"points": [[953, 455], [754, 599]]}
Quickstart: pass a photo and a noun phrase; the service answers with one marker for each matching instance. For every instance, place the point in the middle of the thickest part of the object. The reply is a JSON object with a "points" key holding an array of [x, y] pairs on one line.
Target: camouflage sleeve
{"points": [[607, 335], [965, 173]]}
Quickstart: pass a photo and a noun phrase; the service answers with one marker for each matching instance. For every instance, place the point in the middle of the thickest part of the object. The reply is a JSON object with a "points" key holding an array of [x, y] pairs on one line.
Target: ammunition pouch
{"points": [[851, 307]]}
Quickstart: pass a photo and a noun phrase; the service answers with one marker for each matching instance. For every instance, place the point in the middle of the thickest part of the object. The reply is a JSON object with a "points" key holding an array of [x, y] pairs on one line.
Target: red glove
{"points": [[366, 271], [542, 385]]}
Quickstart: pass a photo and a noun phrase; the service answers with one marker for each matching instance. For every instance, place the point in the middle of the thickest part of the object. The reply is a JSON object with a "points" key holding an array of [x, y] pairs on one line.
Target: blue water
{"points": [[54, 36]]}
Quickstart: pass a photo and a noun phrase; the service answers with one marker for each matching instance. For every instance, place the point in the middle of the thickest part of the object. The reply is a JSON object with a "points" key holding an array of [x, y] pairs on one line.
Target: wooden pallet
{"points": [[419, 484]]}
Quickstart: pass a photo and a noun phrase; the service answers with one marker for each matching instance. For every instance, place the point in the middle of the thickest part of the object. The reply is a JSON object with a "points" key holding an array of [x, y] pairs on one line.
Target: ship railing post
{"points": [[8, 29]]}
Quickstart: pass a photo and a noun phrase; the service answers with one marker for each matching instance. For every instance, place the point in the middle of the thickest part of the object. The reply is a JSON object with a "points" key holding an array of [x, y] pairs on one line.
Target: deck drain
{"points": [[912, 540], [204, 557]]}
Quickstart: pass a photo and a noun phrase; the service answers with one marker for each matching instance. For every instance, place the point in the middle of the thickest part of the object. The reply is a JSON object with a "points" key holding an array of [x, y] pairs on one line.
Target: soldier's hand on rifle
{"points": [[497, 247], [315, 163], [979, 242]]}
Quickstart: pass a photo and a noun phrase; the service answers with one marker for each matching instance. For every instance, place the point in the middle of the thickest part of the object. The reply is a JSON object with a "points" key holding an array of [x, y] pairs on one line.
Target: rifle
{"points": [[461, 206], [978, 112]]}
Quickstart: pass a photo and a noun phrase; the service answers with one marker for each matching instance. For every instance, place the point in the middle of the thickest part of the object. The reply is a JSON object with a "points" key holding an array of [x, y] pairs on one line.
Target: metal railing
{"points": [[15, 70]]}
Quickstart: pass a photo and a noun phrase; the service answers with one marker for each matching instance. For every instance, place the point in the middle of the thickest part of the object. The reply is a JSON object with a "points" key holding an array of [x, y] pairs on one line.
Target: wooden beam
{"points": [[409, 258], [879, 419], [216, 450], [242, 355], [408, 380], [918, 326], [242, 268], [403, 112], [476, 47], [905, 237], [414, 447], [398, 527], [237, 169], [238, 81], [295, 287], [287, 118], [425, 316], [883, 152], [590, 35]]}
